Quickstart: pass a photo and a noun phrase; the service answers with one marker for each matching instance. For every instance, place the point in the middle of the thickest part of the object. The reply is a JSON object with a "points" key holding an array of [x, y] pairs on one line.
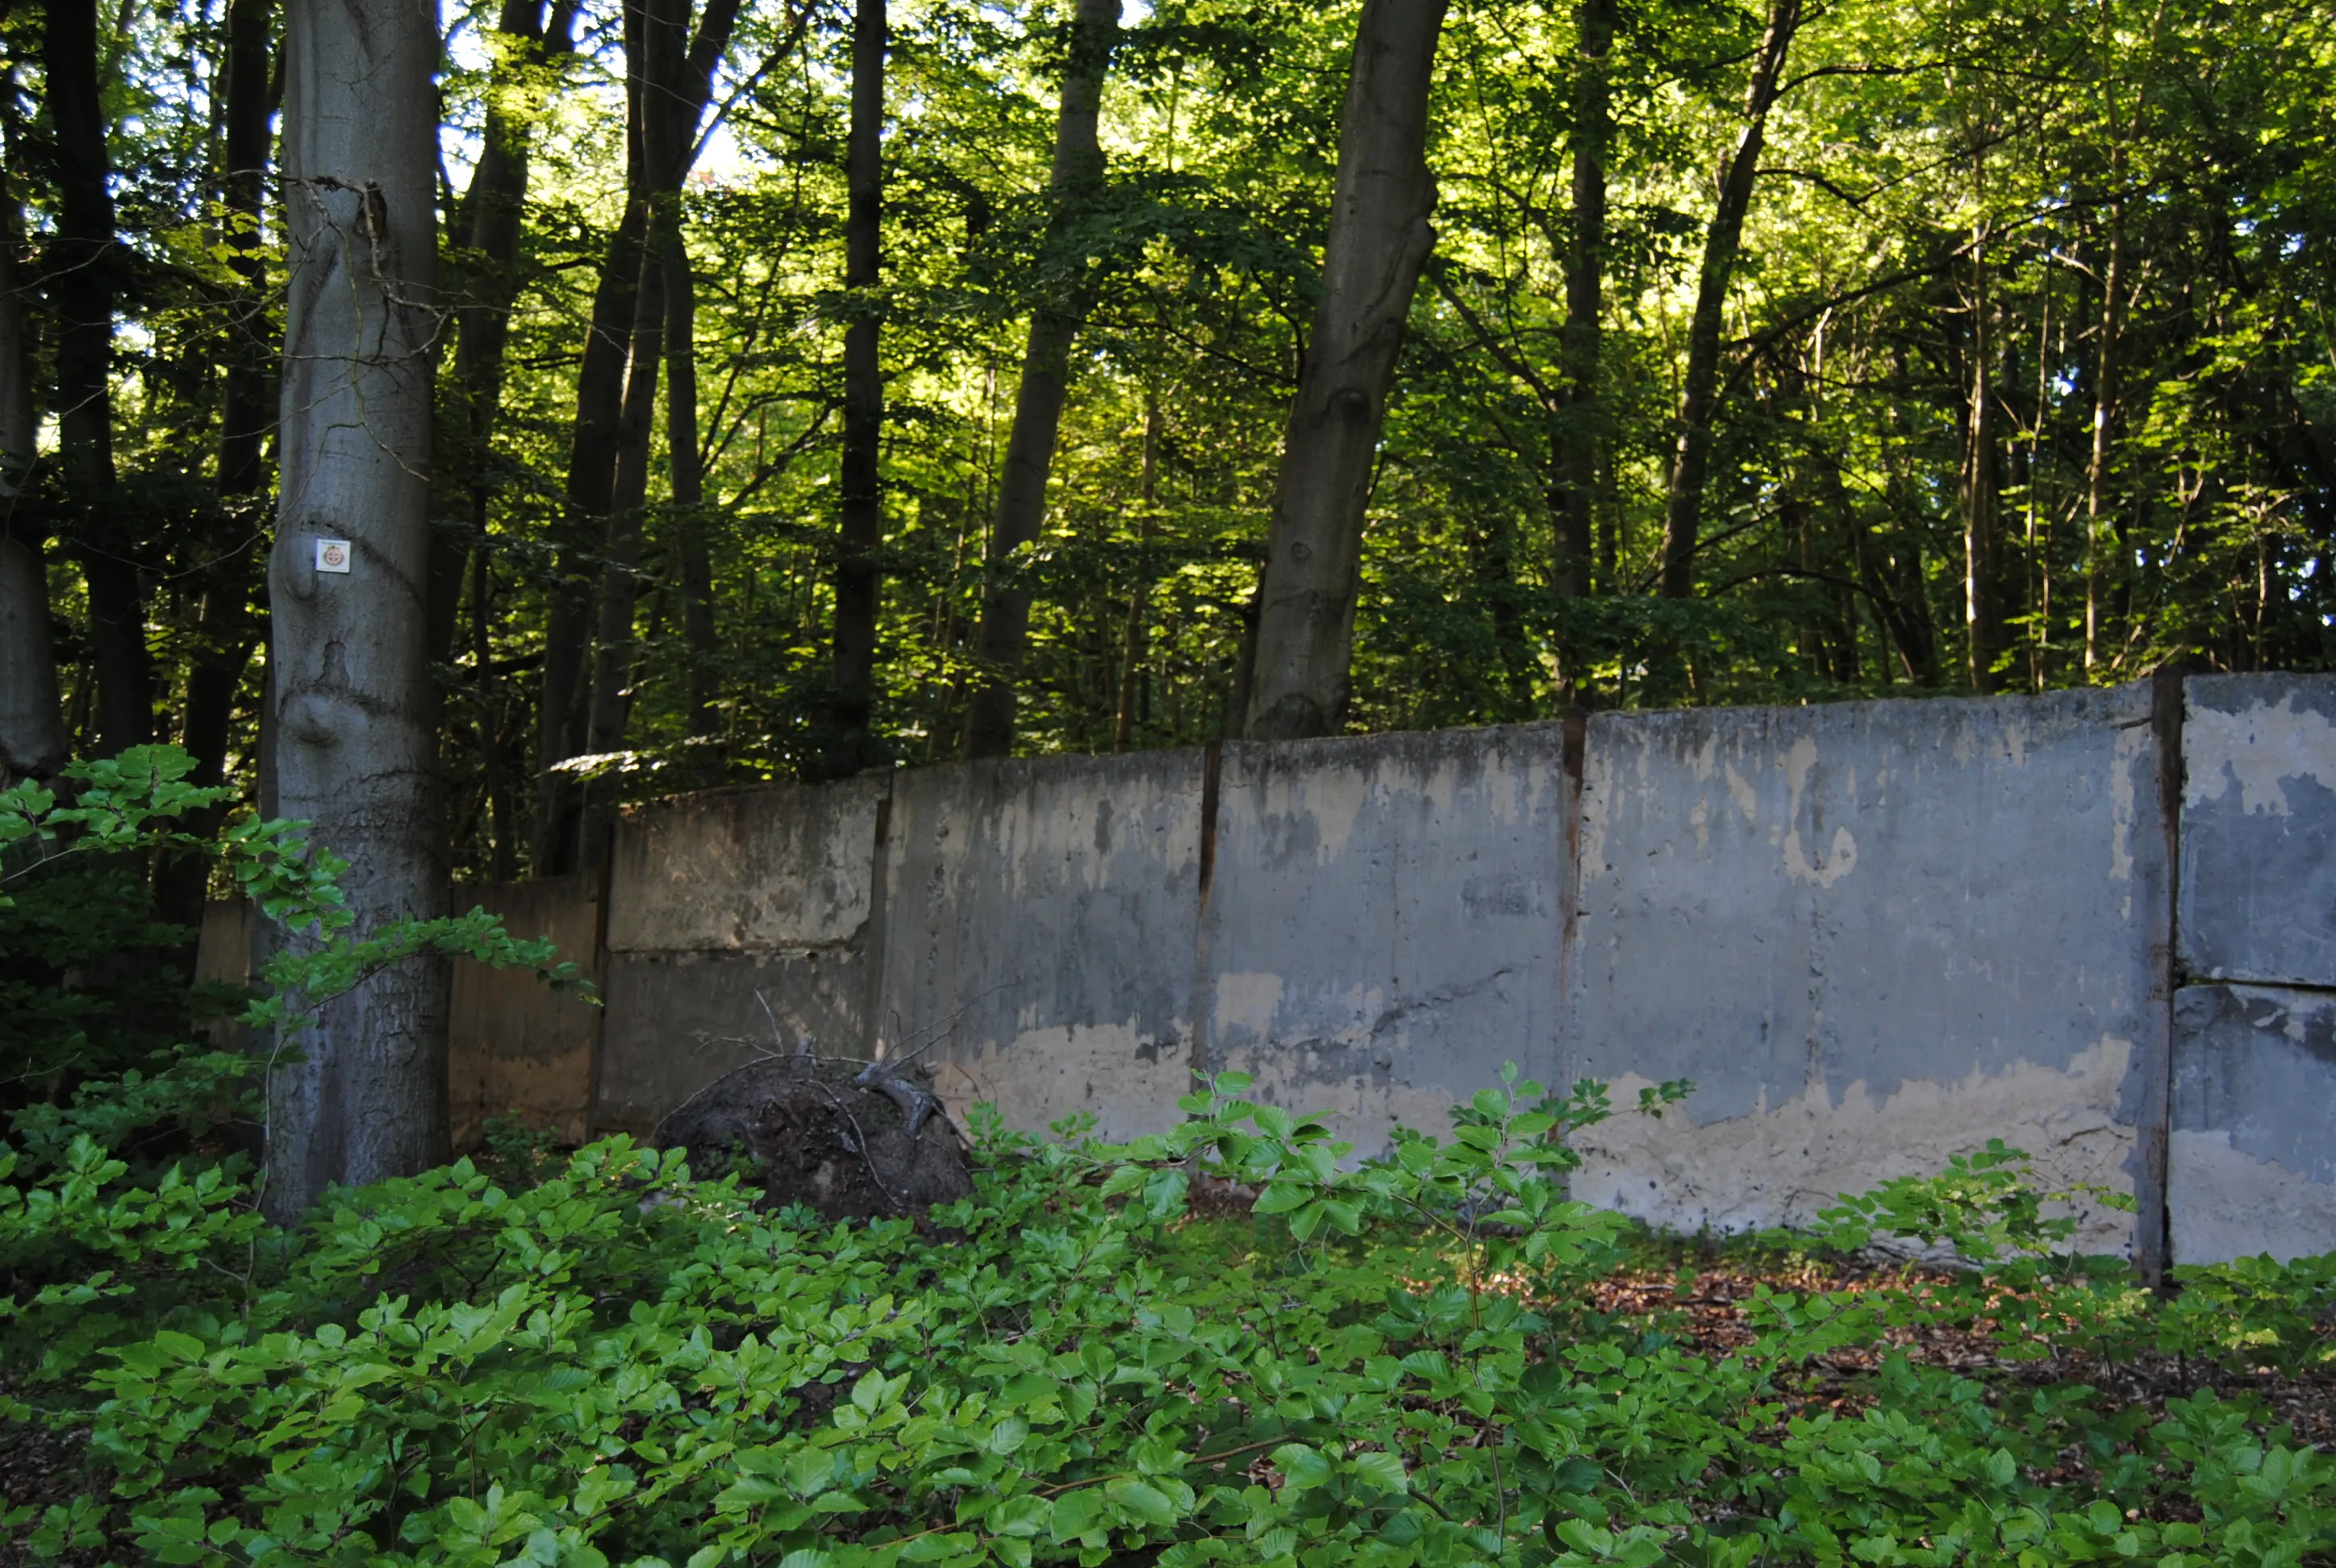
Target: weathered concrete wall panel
{"points": [[1039, 918], [1383, 924], [741, 870], [515, 1047], [678, 1021], [2252, 1161], [2259, 829], [1874, 934]]}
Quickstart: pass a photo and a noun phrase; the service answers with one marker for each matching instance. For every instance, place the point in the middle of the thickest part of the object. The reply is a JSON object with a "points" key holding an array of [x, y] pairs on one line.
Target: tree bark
{"points": [[487, 283], [1982, 491], [365, 1095], [619, 596], [32, 740], [1700, 393], [1076, 174], [1578, 435], [601, 388], [1379, 241], [688, 476], [245, 410], [2097, 522], [1131, 650], [83, 260], [861, 532]]}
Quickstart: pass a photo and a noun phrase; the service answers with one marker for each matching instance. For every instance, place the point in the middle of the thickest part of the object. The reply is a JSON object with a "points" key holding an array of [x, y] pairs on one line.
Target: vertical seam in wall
{"points": [[2153, 1216], [879, 886], [1212, 761], [1573, 755]]}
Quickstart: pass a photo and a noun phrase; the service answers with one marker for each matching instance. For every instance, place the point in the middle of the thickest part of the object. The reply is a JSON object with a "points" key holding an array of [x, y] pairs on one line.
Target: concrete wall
{"points": [[516, 1048], [1873, 935], [2252, 1158], [1384, 920]]}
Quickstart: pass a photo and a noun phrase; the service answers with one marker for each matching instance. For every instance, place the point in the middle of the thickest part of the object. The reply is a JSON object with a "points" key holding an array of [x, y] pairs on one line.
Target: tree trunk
{"points": [[1700, 393], [600, 391], [485, 285], [366, 1095], [861, 523], [682, 461], [32, 740], [1131, 650], [2097, 522], [1982, 491], [83, 258], [1077, 172], [1379, 241], [225, 633], [246, 411], [612, 664], [1579, 430]]}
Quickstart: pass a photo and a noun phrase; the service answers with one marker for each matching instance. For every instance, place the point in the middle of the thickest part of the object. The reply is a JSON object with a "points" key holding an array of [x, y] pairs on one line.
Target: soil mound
{"points": [[850, 1140]]}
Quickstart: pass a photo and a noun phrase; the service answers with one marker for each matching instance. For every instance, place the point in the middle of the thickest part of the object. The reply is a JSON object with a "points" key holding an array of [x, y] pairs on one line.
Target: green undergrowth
{"points": [[593, 1359]]}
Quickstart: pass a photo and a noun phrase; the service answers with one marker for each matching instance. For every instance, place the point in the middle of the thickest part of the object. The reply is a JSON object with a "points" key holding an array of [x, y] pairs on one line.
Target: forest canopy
{"points": [[820, 388]]}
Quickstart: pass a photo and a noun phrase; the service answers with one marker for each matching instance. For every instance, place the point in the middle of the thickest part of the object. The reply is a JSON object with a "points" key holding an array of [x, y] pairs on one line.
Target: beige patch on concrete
{"points": [[1360, 1110], [1780, 1165], [1128, 1079], [2255, 750], [2227, 1203]]}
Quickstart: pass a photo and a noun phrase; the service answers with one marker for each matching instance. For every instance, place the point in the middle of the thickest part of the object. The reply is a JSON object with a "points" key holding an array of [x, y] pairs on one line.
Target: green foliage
{"points": [[618, 1363], [130, 1185]]}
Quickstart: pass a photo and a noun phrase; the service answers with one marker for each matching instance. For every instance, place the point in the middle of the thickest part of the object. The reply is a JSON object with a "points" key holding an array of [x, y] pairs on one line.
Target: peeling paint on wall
{"points": [[2259, 829], [1128, 1079], [2227, 1203], [1780, 1165]]}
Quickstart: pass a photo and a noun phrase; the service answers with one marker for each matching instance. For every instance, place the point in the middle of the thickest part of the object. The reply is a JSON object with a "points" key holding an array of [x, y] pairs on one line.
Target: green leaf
{"points": [[1382, 1470], [1142, 1501], [1302, 1466]]}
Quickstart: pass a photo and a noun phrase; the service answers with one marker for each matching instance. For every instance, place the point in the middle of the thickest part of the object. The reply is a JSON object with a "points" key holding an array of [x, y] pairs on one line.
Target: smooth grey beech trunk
{"points": [[1045, 382], [32, 726], [364, 1095], [1378, 242], [1722, 243]]}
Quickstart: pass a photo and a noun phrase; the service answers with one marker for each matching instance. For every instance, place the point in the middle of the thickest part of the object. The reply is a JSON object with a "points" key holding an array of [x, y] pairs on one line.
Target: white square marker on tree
{"points": [[332, 555]]}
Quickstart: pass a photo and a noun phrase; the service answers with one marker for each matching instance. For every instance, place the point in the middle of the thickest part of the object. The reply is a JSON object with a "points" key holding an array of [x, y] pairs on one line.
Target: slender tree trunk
{"points": [[247, 409], [1983, 619], [485, 284], [1579, 437], [1132, 640], [591, 478], [682, 461], [849, 744], [32, 740], [1379, 241], [365, 1095], [600, 390], [1700, 392], [1045, 381], [82, 261], [2099, 526], [225, 633], [619, 596]]}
